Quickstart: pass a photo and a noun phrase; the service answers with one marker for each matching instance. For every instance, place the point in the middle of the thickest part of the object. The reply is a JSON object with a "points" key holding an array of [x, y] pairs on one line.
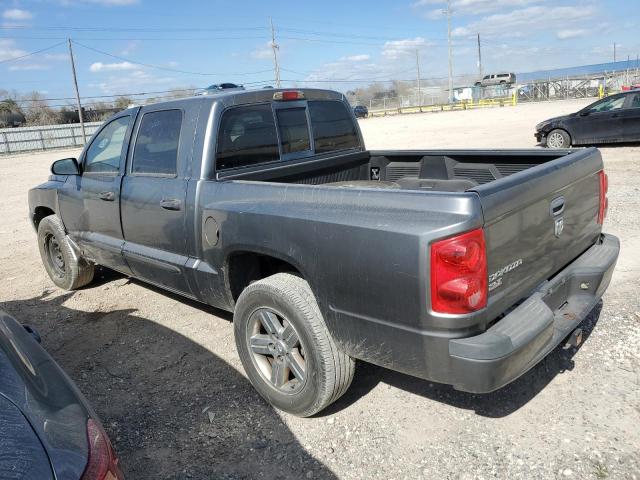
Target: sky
{"points": [[134, 46]]}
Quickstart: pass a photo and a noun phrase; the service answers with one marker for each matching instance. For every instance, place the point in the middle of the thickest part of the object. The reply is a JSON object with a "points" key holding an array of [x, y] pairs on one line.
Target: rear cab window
{"points": [[156, 148], [258, 134]]}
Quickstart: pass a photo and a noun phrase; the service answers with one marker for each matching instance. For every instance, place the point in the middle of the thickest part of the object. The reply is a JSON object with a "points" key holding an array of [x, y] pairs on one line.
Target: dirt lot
{"points": [[163, 374]]}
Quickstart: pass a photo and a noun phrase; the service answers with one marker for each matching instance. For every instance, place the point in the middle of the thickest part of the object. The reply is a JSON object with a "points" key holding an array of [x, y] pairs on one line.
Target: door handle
{"points": [[107, 196], [171, 204], [615, 115]]}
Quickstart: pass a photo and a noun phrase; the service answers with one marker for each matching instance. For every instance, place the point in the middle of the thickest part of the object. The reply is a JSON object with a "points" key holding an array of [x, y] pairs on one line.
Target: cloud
{"points": [[471, 7], [129, 48], [107, 3], [112, 67], [28, 67], [356, 58], [524, 21], [57, 56], [8, 50], [263, 52], [17, 14], [568, 33], [137, 80], [396, 48]]}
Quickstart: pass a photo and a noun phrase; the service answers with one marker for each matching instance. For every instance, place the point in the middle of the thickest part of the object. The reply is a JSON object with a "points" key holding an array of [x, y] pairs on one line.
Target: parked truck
{"points": [[465, 267]]}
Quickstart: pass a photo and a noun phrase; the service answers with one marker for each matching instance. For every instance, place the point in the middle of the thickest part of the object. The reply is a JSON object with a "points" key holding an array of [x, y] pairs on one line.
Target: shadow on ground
{"points": [[174, 409], [497, 404]]}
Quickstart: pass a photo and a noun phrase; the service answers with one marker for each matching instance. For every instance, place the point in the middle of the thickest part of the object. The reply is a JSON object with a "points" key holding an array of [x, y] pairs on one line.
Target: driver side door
{"points": [[602, 123], [90, 202]]}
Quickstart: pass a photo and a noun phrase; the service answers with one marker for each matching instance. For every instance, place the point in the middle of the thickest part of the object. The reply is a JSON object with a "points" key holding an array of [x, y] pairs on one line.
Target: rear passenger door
{"points": [[631, 118], [153, 195]]}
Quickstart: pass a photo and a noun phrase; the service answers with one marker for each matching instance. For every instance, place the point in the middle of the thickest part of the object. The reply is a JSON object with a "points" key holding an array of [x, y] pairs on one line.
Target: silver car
{"points": [[497, 79]]}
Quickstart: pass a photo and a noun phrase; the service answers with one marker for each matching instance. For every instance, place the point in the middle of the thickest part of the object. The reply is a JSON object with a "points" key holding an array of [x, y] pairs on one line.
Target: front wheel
{"points": [[286, 348], [558, 139], [66, 269]]}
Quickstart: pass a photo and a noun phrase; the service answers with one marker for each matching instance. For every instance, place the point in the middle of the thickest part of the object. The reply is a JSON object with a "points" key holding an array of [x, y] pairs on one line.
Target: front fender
{"points": [[43, 200]]}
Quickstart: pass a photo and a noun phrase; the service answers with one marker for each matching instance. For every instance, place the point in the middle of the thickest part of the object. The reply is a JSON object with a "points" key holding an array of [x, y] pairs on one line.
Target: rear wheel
{"points": [[286, 348], [65, 268], [558, 139]]}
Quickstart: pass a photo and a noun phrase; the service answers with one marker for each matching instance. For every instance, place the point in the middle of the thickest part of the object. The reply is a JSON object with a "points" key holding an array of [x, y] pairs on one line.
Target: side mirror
{"points": [[584, 113], [66, 166]]}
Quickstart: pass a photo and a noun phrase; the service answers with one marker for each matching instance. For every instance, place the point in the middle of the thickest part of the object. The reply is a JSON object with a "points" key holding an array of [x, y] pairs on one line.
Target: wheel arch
{"points": [[39, 213], [244, 266]]}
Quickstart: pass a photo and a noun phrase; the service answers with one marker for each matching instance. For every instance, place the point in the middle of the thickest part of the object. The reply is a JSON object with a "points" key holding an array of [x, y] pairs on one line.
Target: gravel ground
{"points": [[163, 374]]}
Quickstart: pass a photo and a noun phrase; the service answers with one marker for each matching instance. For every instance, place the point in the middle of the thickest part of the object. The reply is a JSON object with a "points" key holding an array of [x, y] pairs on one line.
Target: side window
{"points": [[156, 150], [635, 102], [103, 155], [247, 136], [294, 130], [608, 105], [333, 127]]}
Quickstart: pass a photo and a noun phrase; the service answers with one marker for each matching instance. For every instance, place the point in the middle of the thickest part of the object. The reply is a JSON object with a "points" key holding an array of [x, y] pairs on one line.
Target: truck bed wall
{"points": [[476, 168]]}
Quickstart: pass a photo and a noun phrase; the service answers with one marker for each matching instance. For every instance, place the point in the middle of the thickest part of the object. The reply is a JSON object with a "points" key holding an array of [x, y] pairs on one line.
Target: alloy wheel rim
{"points": [[556, 140], [276, 350]]}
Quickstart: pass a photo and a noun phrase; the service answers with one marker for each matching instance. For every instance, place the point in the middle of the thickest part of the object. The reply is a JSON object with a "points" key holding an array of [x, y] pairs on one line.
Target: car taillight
{"points": [[289, 95], [604, 202], [459, 273], [102, 463]]}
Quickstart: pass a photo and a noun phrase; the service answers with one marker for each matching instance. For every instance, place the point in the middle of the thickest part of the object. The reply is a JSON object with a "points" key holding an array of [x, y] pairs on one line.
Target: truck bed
{"points": [[433, 170]]}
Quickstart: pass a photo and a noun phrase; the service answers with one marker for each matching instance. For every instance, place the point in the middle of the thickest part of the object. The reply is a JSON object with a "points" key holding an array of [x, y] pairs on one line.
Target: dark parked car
{"points": [[47, 428], [221, 87], [613, 119], [360, 111], [465, 267]]}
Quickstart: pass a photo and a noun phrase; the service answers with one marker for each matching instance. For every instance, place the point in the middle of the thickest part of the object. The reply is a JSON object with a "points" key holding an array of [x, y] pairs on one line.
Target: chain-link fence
{"points": [[27, 139]]}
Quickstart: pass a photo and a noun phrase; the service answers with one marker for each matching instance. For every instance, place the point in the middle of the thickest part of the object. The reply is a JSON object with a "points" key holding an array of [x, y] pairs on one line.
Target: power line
{"points": [[13, 59], [159, 67], [127, 29]]}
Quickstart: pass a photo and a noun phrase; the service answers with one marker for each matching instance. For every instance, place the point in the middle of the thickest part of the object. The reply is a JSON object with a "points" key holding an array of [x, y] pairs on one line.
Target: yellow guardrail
{"points": [[447, 107]]}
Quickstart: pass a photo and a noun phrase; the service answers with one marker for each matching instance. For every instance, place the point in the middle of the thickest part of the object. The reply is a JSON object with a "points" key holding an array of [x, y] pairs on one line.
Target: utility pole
{"points": [[479, 59], [275, 47], [450, 53], [75, 84], [614, 52], [418, 79]]}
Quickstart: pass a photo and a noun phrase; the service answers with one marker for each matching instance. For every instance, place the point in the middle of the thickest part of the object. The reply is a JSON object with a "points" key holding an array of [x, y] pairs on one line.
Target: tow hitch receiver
{"points": [[575, 339]]}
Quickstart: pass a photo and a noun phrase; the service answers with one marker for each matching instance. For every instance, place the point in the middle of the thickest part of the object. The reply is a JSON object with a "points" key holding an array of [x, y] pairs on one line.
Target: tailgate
{"points": [[536, 222]]}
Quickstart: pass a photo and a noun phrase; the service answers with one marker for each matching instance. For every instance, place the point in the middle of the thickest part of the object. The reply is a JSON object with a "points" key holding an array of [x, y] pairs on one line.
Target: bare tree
{"points": [[37, 110]]}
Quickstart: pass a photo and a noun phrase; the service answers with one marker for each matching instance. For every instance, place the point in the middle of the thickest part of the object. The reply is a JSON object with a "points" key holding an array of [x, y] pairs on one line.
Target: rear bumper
{"points": [[516, 343]]}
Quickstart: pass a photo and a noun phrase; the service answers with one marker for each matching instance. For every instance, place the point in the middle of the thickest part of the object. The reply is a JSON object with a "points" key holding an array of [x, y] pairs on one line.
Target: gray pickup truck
{"points": [[464, 267]]}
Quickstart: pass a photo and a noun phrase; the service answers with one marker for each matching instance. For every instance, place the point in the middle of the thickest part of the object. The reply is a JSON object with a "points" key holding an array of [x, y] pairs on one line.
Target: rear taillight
{"points": [[459, 273], [102, 463], [604, 202]]}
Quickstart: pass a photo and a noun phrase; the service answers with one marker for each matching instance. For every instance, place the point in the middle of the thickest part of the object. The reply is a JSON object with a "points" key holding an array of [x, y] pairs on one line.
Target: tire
{"points": [[299, 378], [65, 268], [558, 138]]}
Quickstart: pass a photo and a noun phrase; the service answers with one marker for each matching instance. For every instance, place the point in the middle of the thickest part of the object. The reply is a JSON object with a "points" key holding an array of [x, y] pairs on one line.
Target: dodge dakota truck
{"points": [[464, 267]]}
